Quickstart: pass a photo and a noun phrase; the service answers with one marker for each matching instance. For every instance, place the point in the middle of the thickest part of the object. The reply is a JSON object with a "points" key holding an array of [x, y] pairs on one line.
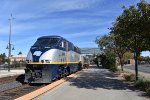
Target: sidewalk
{"points": [[5, 73], [94, 84]]}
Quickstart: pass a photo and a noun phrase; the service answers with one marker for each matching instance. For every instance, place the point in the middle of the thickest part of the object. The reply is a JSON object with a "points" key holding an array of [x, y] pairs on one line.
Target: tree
{"points": [[127, 56], [1, 60], [20, 53], [2, 57], [110, 42], [132, 26], [130, 32]]}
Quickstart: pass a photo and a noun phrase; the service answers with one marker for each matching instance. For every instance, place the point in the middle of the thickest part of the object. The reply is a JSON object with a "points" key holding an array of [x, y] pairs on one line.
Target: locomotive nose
{"points": [[37, 74]]}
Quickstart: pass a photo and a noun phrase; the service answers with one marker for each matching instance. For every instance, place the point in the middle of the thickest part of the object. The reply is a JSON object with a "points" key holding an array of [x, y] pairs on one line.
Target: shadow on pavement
{"points": [[95, 78]]}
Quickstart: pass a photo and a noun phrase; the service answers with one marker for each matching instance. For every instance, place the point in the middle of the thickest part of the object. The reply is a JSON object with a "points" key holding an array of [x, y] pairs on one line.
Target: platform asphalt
{"points": [[94, 84]]}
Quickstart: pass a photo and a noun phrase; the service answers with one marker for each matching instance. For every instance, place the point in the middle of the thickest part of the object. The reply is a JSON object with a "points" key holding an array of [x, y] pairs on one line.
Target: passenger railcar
{"points": [[51, 57]]}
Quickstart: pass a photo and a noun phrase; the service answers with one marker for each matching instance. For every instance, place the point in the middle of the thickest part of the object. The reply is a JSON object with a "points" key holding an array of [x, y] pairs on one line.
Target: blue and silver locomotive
{"points": [[50, 58]]}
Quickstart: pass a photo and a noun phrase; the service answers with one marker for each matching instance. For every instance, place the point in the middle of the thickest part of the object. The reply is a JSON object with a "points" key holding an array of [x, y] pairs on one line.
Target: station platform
{"points": [[13, 72], [89, 84], [93, 84]]}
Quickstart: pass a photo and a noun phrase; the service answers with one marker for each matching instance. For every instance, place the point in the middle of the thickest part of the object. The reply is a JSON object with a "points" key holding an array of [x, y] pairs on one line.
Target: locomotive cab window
{"points": [[46, 42]]}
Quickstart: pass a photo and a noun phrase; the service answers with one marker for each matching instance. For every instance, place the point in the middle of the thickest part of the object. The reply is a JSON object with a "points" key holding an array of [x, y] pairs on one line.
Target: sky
{"points": [[79, 21]]}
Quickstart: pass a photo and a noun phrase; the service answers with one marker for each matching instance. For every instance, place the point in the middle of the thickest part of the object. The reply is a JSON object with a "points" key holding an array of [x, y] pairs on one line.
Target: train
{"points": [[52, 57]]}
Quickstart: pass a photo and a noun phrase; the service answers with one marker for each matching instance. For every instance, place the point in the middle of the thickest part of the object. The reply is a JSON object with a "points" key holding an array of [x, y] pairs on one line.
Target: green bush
{"points": [[148, 91], [143, 84], [140, 83], [109, 61]]}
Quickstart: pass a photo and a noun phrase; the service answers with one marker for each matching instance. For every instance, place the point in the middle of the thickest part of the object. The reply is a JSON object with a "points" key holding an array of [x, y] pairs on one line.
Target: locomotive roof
{"points": [[52, 36], [55, 36]]}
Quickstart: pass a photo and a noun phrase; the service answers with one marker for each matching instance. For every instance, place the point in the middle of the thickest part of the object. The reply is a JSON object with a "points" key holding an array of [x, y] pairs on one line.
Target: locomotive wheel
{"points": [[59, 72], [63, 72], [66, 72]]}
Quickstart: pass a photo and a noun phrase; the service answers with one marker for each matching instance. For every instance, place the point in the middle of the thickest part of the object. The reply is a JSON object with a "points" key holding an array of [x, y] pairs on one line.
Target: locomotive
{"points": [[50, 58]]}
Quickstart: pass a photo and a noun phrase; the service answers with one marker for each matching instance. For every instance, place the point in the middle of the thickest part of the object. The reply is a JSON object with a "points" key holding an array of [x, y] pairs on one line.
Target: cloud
{"points": [[82, 34], [43, 6], [76, 20], [86, 44], [38, 15], [63, 24], [66, 5], [26, 40]]}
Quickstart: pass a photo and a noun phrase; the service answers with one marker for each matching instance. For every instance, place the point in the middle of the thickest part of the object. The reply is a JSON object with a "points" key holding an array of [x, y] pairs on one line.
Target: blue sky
{"points": [[79, 21]]}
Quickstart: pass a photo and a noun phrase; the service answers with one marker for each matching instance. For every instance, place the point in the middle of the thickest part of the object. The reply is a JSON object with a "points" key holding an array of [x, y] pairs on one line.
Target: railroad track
{"points": [[9, 79], [10, 82], [19, 91], [13, 87]]}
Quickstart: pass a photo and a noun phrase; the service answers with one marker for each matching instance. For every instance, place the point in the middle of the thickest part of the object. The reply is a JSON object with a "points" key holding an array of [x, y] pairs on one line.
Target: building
{"points": [[91, 53], [18, 58]]}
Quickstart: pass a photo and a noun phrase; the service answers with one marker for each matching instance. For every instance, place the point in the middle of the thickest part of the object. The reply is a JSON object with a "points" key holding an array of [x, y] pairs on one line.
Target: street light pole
{"points": [[9, 44], [135, 57]]}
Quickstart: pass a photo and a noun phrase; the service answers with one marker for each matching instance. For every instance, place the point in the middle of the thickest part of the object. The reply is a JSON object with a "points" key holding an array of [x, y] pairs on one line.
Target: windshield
{"points": [[46, 42]]}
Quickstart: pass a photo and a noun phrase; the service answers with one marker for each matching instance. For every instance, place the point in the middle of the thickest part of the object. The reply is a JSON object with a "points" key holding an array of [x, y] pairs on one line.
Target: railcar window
{"points": [[72, 47], [65, 44], [69, 46], [46, 42]]}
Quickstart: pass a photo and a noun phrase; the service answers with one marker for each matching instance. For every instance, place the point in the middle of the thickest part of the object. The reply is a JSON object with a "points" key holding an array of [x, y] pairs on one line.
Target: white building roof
{"points": [[19, 56]]}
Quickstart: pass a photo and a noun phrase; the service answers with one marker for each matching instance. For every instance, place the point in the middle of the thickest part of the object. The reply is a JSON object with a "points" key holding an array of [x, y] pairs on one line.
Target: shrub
{"points": [[148, 91], [129, 77], [143, 84], [108, 61], [139, 83]]}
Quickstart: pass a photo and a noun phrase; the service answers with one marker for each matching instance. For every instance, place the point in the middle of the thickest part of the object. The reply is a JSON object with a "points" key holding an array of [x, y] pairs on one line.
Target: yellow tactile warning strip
{"points": [[42, 90]]}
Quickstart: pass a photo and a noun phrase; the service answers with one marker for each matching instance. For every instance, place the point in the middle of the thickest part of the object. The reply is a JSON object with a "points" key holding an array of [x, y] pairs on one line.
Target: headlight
{"points": [[47, 61], [28, 61], [42, 61]]}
